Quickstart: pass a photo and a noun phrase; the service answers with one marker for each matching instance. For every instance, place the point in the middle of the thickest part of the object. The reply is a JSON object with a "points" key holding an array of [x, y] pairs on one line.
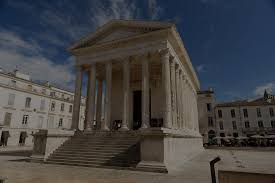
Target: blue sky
{"points": [[231, 43]]}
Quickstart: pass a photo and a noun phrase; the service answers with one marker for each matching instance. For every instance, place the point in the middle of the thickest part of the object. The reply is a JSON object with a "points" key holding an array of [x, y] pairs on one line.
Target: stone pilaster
{"points": [[167, 116], [107, 100], [77, 98], [91, 101], [145, 93]]}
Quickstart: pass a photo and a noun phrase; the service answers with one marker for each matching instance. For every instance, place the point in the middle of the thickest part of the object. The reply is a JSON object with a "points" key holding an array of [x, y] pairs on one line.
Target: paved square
{"points": [[197, 170]]}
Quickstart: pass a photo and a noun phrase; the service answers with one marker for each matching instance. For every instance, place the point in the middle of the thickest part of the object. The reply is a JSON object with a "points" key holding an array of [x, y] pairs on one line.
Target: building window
{"points": [[60, 123], [271, 112], [221, 125], [11, 99], [235, 135], [246, 124], [71, 109], [233, 115], [273, 124], [62, 107], [210, 121], [25, 119], [220, 113], [245, 113], [260, 124], [209, 107], [259, 114], [42, 105], [52, 106], [234, 124], [28, 102], [222, 135], [7, 120]]}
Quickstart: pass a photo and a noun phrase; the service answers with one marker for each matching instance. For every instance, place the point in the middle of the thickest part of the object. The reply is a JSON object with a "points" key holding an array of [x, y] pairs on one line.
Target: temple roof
{"points": [[117, 29]]}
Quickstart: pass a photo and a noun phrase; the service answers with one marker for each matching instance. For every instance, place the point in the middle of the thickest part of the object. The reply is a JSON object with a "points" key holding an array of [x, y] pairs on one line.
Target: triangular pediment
{"points": [[119, 29]]}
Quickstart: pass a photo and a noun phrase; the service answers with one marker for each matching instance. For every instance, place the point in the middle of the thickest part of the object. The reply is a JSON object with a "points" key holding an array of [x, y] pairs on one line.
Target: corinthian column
{"points": [[98, 103], [173, 91], [126, 93], [177, 101], [91, 98], [107, 112], [145, 93], [167, 118], [77, 98]]}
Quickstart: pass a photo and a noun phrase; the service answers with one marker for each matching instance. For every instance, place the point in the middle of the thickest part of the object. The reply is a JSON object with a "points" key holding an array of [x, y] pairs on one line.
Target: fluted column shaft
{"points": [[77, 98], [180, 100], [145, 93], [177, 101], [91, 100], [167, 117], [107, 99], [98, 103], [173, 92], [126, 95]]}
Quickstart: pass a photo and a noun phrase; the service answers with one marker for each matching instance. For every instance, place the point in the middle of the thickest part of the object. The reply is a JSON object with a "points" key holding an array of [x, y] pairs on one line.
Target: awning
{"points": [[241, 138]]}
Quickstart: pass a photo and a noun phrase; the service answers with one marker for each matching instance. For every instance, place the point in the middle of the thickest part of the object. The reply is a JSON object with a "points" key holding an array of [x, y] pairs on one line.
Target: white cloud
{"points": [[117, 9], [62, 24], [259, 90], [154, 9], [201, 68], [27, 56]]}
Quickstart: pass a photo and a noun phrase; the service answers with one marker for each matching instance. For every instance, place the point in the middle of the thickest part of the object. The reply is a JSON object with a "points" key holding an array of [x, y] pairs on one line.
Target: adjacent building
{"points": [[26, 107], [237, 118]]}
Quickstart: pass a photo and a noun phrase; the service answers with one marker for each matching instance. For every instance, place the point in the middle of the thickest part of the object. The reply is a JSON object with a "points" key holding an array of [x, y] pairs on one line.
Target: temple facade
{"points": [[140, 81], [139, 73]]}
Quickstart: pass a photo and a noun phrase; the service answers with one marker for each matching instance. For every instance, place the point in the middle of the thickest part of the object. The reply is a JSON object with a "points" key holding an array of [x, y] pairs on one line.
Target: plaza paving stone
{"points": [[196, 170]]}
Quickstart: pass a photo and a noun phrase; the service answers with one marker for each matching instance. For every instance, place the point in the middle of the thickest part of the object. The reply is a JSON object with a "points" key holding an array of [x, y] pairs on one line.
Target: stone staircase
{"points": [[99, 149]]}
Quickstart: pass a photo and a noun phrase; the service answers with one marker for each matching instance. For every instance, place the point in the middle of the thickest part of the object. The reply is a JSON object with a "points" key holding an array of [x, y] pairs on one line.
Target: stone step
{"points": [[103, 140], [90, 151], [89, 161], [103, 149], [98, 143], [88, 148], [76, 155], [114, 166], [97, 158]]}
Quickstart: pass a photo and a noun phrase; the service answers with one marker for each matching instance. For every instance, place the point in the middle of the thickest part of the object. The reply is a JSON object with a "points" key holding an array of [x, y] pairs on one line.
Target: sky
{"points": [[231, 43]]}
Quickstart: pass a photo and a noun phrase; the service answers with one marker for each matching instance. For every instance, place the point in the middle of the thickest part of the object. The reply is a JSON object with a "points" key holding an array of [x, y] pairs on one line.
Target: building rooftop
{"points": [[257, 102]]}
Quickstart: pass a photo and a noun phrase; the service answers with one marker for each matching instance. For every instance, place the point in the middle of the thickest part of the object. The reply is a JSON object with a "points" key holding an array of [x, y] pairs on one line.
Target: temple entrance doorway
{"points": [[137, 110]]}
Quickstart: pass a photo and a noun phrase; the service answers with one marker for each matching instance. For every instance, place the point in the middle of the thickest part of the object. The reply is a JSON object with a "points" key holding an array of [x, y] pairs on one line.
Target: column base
{"points": [[123, 128]]}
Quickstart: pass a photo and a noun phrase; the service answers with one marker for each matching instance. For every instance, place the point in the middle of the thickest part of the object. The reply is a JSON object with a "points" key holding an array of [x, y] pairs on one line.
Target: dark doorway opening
{"points": [[22, 138], [136, 110], [4, 138]]}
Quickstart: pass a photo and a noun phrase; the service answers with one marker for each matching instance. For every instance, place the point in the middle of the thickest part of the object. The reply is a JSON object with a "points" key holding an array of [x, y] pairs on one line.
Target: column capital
{"points": [[164, 52]]}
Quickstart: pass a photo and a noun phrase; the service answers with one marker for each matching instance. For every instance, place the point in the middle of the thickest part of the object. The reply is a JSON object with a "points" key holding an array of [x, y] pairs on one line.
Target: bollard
{"points": [[212, 168]]}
